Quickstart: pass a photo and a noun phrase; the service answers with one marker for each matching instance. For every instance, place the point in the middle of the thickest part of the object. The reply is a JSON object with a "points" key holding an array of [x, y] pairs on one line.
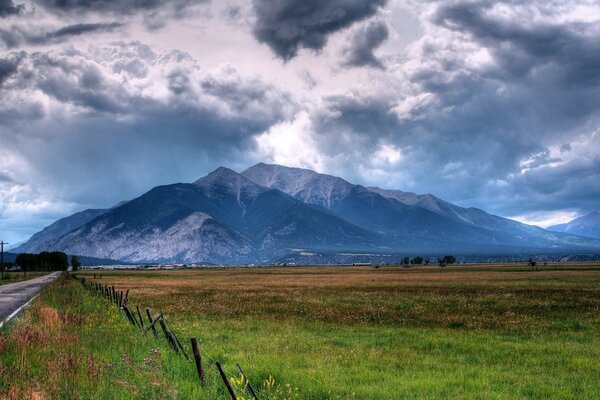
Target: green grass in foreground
{"points": [[70, 344], [12, 276], [474, 334]]}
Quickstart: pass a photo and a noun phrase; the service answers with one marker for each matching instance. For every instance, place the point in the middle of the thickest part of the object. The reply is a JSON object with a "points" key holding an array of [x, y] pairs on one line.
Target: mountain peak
{"points": [[220, 175], [231, 181], [305, 184]]}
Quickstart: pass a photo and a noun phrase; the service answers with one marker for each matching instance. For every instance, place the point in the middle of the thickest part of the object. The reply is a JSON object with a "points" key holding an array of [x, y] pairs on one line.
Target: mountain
{"points": [[39, 241], [411, 225], [469, 216], [269, 211], [587, 225], [223, 217], [421, 221]]}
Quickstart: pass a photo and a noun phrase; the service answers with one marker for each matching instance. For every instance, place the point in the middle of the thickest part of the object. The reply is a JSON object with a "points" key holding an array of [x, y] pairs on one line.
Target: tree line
{"points": [[46, 261], [442, 262]]}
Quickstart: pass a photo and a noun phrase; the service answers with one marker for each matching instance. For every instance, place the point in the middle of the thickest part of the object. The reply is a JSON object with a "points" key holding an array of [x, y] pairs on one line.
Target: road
{"points": [[15, 295]]}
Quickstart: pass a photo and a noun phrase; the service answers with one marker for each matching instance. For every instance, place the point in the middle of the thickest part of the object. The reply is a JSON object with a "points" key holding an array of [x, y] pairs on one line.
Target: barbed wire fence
{"points": [[241, 387]]}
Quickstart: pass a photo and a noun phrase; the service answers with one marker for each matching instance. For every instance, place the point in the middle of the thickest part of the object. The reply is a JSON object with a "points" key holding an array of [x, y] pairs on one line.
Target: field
{"points": [[484, 332], [12, 277]]}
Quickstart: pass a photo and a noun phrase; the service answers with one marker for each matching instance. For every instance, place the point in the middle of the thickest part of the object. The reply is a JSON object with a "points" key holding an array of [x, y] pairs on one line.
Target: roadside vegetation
{"points": [[17, 276], [501, 332]]}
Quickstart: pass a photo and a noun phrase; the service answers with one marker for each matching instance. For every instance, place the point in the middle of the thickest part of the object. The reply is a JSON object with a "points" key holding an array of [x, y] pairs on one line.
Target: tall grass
{"points": [[318, 333]]}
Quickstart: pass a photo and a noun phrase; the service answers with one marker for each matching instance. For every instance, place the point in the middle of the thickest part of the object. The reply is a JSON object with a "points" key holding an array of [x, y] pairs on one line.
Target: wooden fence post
{"points": [[198, 359], [129, 316], [227, 383], [140, 316], [248, 385], [179, 345], [169, 338], [151, 323]]}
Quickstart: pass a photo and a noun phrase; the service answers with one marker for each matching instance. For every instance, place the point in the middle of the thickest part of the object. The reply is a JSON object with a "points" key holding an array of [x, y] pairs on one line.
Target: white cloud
{"points": [[546, 219], [291, 143]]}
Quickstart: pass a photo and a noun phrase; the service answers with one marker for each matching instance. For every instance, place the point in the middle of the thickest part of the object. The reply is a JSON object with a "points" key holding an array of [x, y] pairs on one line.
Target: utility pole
{"points": [[2, 243]]}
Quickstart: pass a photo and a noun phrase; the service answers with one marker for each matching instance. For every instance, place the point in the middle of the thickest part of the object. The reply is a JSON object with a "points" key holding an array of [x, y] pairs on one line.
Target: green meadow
{"points": [[472, 332]]}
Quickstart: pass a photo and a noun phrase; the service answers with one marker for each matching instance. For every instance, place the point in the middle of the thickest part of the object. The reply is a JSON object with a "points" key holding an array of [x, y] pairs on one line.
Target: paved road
{"points": [[14, 295]]}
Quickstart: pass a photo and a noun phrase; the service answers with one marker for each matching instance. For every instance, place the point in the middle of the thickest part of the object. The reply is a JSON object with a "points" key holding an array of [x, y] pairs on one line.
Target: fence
{"points": [[136, 318]]}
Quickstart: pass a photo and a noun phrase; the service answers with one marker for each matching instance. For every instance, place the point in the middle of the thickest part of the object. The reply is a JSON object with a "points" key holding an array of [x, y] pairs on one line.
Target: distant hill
{"points": [[269, 210], [587, 225]]}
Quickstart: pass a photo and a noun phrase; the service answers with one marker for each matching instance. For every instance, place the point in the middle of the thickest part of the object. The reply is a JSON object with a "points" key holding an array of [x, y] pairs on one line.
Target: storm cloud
{"points": [[492, 104], [114, 6], [8, 66], [208, 114], [18, 36], [485, 104], [7, 7], [359, 51], [286, 26]]}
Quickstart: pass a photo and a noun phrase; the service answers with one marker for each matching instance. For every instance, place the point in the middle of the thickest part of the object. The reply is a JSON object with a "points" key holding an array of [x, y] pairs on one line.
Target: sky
{"points": [[488, 104]]}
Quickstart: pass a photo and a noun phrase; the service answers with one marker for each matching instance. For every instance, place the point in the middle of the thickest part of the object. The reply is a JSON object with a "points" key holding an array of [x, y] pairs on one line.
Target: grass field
{"points": [[481, 332], [12, 277]]}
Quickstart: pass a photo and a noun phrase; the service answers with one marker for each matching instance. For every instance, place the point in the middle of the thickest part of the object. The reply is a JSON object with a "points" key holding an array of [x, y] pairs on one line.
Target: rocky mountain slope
{"points": [[270, 210]]}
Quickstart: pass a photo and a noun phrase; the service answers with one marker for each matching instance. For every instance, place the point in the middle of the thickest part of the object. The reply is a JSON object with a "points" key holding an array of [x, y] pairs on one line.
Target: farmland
{"points": [[476, 331]]}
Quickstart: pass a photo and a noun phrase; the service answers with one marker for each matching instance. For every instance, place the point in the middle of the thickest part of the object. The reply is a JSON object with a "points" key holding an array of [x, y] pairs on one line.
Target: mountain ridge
{"points": [[268, 210], [586, 225]]}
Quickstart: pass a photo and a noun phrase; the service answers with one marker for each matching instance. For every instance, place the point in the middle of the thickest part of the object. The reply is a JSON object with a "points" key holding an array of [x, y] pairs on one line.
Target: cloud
{"points": [[359, 51], [7, 7], [17, 36], [286, 26], [114, 6], [155, 14], [8, 66], [111, 122], [79, 29], [486, 109]]}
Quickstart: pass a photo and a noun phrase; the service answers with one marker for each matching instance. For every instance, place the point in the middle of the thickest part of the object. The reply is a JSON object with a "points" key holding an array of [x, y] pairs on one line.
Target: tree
{"points": [[418, 260], [75, 263], [532, 264], [45, 261], [406, 261], [449, 260], [26, 261]]}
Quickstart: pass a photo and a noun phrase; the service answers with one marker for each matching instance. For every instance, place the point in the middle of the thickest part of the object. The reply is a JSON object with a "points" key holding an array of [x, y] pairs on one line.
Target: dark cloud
{"points": [[80, 29], [156, 13], [288, 25], [7, 7], [359, 51], [128, 131], [520, 46], [8, 66], [499, 133], [18, 36], [118, 6]]}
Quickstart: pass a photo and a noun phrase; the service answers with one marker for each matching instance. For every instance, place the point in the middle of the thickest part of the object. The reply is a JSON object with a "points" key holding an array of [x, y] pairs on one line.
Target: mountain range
{"points": [[270, 210], [586, 225]]}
